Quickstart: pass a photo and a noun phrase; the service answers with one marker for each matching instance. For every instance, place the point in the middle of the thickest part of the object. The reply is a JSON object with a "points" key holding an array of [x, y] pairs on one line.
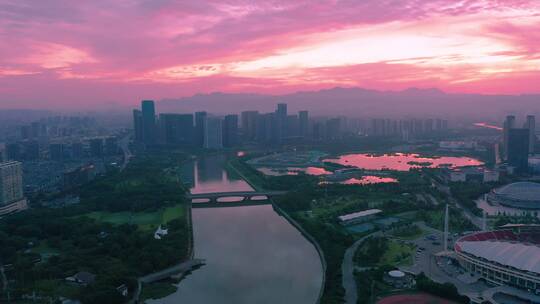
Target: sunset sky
{"points": [[56, 53]]}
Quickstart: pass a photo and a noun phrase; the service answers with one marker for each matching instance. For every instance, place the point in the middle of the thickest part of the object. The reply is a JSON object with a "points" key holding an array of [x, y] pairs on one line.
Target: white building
{"points": [[11, 188]]}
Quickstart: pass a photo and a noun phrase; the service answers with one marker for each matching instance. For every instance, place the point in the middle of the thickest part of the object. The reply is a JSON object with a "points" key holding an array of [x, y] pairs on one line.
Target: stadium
{"points": [[525, 195], [507, 256]]}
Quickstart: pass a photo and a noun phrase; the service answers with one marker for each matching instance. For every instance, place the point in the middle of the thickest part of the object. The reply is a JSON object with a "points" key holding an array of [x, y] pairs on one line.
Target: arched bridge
{"points": [[246, 195]]}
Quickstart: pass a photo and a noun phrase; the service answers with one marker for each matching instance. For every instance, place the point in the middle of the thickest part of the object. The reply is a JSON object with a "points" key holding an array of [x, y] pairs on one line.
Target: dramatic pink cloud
{"points": [[61, 53]]}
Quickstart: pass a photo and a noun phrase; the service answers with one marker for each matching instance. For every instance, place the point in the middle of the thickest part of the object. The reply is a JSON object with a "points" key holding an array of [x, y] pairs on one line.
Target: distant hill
{"points": [[361, 102]]}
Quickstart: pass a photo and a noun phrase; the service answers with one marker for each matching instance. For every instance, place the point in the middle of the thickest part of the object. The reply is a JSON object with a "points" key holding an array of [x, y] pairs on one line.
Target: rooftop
{"points": [[350, 216]]}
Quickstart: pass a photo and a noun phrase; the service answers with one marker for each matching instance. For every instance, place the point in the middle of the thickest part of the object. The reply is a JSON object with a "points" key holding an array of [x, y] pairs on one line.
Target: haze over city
{"points": [[99, 54]]}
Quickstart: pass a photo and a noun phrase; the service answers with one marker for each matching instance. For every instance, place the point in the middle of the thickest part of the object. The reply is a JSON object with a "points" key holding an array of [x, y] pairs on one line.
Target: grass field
{"points": [[398, 254], [145, 220]]}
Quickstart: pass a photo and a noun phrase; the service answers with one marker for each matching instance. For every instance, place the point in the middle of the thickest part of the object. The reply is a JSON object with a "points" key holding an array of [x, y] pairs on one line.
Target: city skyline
{"points": [[97, 55]]}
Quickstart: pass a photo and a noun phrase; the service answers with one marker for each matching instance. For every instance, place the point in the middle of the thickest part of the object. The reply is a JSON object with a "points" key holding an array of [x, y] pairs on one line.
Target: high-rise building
{"points": [[31, 150], [303, 117], [77, 150], [111, 145], [149, 122], [3, 153], [138, 125], [200, 131], [13, 152], [177, 129], [281, 123], [11, 188], [265, 127], [293, 126], [230, 131], [333, 128], [531, 126], [518, 149], [249, 125], [96, 147], [213, 137], [509, 123], [56, 151]]}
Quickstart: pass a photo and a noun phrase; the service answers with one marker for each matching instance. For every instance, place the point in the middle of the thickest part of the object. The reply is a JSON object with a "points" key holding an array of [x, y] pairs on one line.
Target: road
{"points": [[124, 145], [475, 220], [347, 269]]}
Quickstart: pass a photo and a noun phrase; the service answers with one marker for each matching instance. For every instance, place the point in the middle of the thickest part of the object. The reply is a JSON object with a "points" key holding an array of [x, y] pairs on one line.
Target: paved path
{"points": [[347, 269], [174, 270]]}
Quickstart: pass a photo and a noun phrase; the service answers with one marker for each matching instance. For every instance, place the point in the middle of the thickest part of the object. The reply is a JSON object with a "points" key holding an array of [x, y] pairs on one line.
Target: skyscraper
{"points": [[230, 131], [249, 124], [303, 117], [509, 123], [149, 122], [518, 149], [56, 151], [96, 147], [137, 125], [200, 131], [177, 129], [11, 188], [281, 123], [213, 137], [531, 126]]}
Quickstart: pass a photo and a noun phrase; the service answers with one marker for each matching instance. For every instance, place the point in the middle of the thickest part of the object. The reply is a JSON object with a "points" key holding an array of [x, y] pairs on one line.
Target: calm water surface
{"points": [[252, 254], [402, 161]]}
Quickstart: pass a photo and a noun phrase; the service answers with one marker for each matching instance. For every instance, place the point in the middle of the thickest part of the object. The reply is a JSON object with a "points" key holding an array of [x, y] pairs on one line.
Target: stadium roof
{"points": [[521, 256], [525, 191]]}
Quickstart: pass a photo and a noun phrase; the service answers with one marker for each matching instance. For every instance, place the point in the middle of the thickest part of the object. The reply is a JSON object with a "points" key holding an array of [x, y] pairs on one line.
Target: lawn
{"points": [[412, 232], [398, 254], [145, 220]]}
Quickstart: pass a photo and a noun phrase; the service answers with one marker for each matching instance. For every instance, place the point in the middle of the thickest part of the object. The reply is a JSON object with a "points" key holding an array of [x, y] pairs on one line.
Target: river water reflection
{"points": [[252, 254]]}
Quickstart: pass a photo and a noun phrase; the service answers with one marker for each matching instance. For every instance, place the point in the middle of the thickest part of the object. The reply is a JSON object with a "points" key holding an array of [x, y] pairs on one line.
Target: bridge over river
{"points": [[246, 196]]}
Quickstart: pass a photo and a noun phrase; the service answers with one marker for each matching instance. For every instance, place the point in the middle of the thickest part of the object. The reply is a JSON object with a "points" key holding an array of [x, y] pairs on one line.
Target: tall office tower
{"points": [[333, 128], [177, 129], [293, 125], [230, 131], [509, 123], [429, 125], [56, 152], [35, 129], [200, 131], [213, 137], [111, 145], [264, 127], [77, 150], [531, 126], [518, 149], [138, 125], [281, 123], [303, 120], [249, 124], [26, 132], [319, 131], [11, 188], [149, 122], [3, 153], [31, 150], [13, 151], [438, 124], [96, 147]]}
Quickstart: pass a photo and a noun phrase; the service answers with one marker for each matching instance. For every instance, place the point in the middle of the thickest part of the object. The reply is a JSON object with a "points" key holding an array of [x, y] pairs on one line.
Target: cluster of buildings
{"points": [[405, 128], [212, 132], [279, 127]]}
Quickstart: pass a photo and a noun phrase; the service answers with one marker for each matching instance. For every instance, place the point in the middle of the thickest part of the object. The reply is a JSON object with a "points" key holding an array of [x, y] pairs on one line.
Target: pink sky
{"points": [[61, 53]]}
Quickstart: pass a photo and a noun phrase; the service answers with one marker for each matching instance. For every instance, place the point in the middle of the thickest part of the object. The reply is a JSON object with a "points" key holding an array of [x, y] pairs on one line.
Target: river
{"points": [[252, 254]]}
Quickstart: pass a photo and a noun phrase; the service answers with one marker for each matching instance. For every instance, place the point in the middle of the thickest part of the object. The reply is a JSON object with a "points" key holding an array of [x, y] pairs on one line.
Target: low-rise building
{"points": [[359, 217]]}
